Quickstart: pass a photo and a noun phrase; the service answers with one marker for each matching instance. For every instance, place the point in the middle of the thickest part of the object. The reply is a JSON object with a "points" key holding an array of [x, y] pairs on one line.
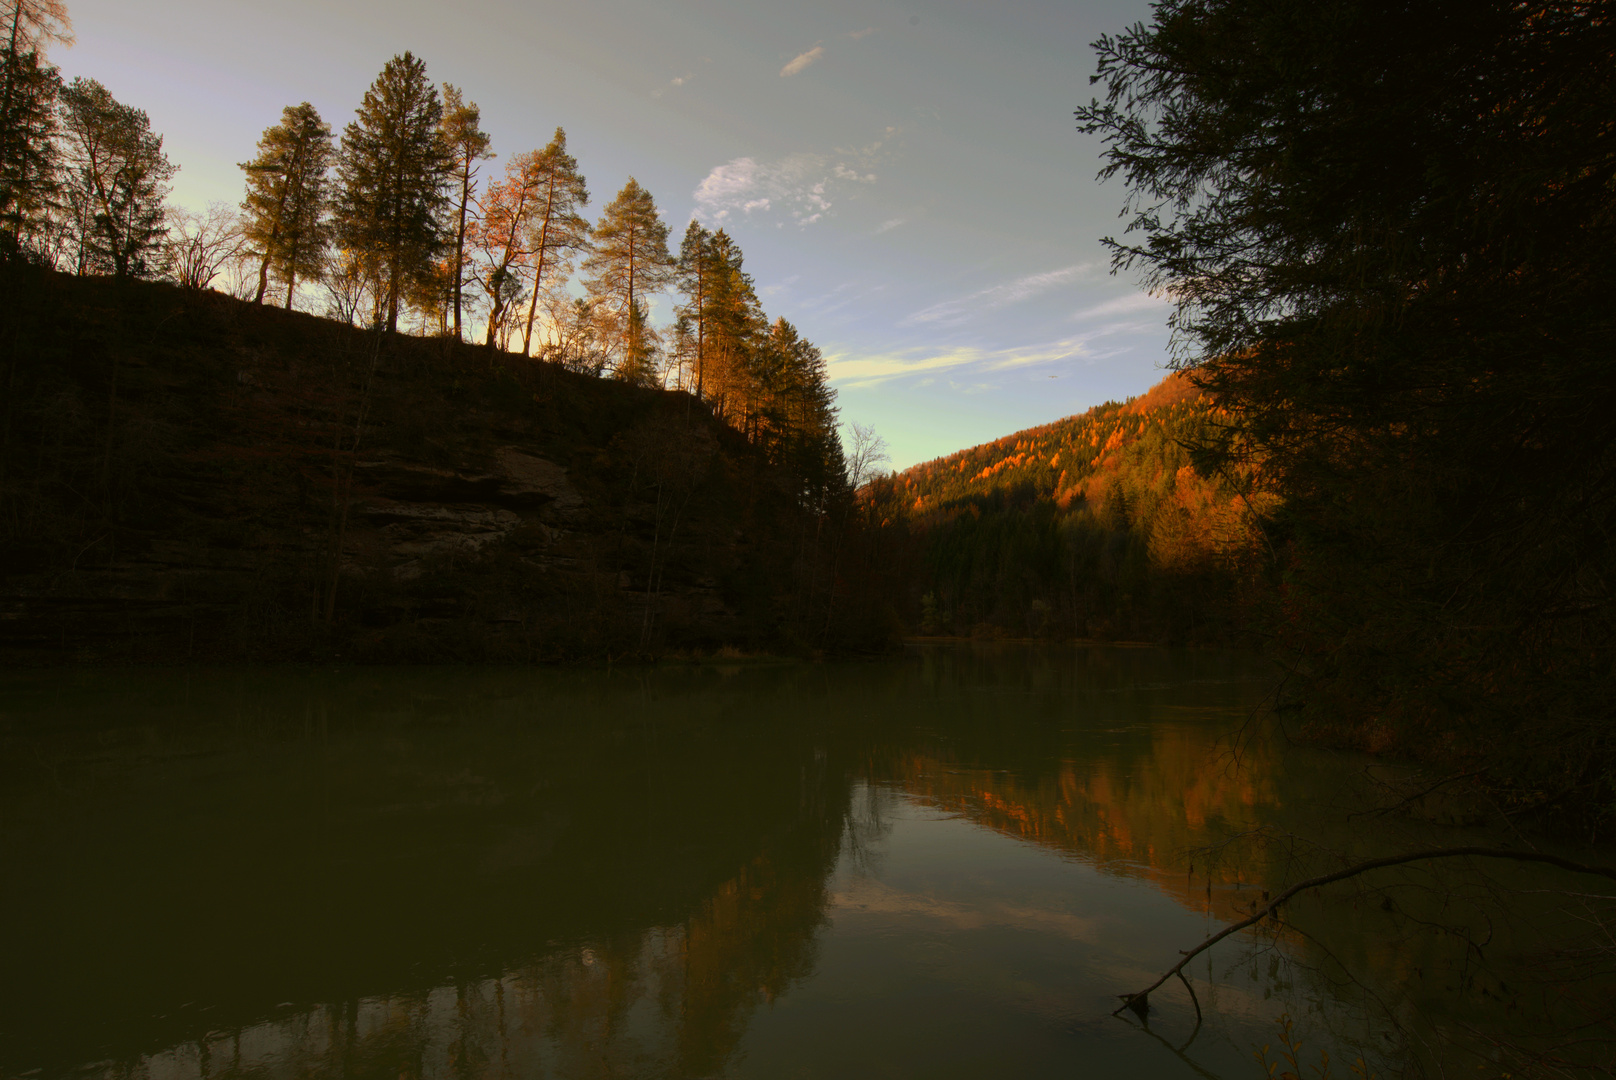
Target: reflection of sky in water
{"points": [[949, 864]]}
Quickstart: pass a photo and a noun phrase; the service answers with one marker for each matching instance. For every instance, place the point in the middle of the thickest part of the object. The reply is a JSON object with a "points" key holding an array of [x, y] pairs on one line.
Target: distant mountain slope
{"points": [[1095, 525]]}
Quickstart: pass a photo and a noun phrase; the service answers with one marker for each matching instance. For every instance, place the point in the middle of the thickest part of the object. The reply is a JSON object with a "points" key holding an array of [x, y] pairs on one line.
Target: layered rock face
{"points": [[188, 477]]}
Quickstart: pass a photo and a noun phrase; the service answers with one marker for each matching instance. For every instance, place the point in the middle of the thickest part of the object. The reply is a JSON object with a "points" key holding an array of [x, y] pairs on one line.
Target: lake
{"points": [[949, 863]]}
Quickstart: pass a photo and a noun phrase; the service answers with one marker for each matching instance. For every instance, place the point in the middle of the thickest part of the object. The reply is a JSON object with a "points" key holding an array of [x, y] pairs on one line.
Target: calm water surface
{"points": [[946, 864]]}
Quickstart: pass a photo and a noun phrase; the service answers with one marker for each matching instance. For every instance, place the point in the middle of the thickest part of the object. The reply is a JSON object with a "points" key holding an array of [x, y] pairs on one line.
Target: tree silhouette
{"points": [[286, 199], [394, 167], [1391, 233], [628, 258], [117, 180]]}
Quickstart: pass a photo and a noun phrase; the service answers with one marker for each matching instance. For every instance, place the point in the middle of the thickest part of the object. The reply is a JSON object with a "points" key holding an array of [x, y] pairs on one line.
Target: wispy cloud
{"points": [[869, 369], [802, 61], [1122, 305], [864, 33], [955, 312], [798, 187], [889, 224]]}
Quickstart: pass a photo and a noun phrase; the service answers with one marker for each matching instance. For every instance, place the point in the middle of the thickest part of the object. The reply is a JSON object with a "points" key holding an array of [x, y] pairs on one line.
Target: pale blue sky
{"points": [[904, 177]]}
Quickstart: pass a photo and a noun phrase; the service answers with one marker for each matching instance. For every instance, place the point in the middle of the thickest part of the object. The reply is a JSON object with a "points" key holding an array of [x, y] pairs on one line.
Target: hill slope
{"points": [[1092, 526], [186, 476]]}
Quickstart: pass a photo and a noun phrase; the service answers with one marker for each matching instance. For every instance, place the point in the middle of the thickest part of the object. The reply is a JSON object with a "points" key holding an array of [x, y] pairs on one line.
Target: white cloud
{"points": [[1122, 305], [889, 225], [866, 32], [869, 369], [673, 83], [799, 187], [802, 61], [955, 312]]}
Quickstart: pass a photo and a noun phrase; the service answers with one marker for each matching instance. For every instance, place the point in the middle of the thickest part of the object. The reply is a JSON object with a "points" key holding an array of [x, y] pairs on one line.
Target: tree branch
{"points": [[1140, 1003]]}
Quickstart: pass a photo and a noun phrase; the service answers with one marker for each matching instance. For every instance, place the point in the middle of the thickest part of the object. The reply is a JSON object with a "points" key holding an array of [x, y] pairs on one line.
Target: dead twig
{"points": [[1139, 1003]]}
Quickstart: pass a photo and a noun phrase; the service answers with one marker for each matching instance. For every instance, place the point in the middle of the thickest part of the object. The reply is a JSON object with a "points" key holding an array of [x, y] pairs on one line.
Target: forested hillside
{"points": [[187, 476], [186, 471], [395, 226], [1097, 525]]}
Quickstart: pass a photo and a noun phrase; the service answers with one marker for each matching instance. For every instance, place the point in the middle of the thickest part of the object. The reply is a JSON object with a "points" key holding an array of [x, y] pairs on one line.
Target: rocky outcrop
{"points": [[422, 512]]}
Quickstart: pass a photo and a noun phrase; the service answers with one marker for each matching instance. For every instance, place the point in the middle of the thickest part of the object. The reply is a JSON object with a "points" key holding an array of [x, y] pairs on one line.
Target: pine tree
{"points": [[695, 271], [638, 362], [117, 180], [29, 156], [469, 145], [28, 94], [555, 228], [731, 328], [629, 259], [394, 169], [683, 354], [799, 408], [286, 199]]}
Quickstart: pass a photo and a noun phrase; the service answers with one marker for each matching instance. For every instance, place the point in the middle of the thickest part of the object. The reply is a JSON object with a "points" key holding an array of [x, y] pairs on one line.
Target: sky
{"points": [[904, 176]]}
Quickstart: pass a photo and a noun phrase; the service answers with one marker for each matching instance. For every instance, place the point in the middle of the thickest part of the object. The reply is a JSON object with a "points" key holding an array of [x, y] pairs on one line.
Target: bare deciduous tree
{"points": [[200, 246], [867, 452]]}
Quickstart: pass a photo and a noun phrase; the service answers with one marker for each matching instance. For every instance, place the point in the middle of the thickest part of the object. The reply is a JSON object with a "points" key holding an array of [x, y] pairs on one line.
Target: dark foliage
{"points": [[1391, 229], [184, 475]]}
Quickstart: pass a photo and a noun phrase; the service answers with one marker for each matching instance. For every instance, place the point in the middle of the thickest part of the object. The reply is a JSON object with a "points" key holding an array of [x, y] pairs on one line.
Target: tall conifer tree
{"points": [[28, 94], [394, 169], [555, 228], [286, 199], [732, 326], [468, 144], [801, 409], [29, 155], [629, 258], [695, 270]]}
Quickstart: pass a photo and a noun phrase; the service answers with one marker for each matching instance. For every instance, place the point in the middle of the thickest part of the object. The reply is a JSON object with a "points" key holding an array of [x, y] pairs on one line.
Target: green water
{"points": [[944, 864]]}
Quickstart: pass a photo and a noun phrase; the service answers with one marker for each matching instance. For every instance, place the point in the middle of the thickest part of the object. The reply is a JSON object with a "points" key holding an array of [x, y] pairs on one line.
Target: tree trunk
{"points": [[538, 270], [460, 240]]}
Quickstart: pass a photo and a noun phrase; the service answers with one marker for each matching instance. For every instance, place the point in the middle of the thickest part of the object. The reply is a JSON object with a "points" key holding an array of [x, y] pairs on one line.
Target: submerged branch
{"points": [[1140, 1003]]}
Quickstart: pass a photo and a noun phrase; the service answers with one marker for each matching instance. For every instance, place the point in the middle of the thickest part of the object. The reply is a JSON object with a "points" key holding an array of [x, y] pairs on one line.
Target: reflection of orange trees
{"points": [[1138, 821], [747, 944]]}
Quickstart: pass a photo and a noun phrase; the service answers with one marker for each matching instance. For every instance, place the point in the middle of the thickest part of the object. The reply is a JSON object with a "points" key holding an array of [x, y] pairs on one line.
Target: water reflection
{"points": [[934, 866]]}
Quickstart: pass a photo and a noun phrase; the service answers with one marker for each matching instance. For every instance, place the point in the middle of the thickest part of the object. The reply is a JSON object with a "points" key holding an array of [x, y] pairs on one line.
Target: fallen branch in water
{"points": [[1140, 1002]]}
